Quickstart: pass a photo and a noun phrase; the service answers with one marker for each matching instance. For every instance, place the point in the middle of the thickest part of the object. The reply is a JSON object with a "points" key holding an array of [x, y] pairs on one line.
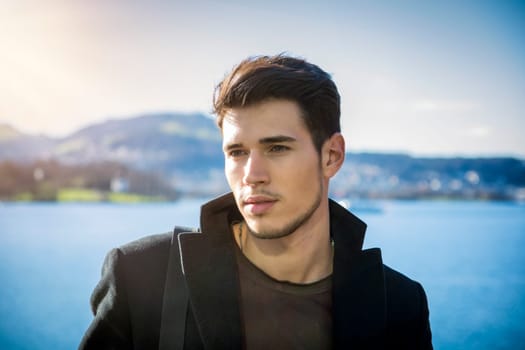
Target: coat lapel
{"points": [[175, 302], [210, 271], [359, 301]]}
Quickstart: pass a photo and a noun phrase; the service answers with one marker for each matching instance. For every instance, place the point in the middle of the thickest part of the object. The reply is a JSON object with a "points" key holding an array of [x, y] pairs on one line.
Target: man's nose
{"points": [[255, 170]]}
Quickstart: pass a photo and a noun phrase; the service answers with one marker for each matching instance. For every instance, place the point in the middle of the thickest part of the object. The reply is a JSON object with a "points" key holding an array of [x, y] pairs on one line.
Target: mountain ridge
{"points": [[186, 148]]}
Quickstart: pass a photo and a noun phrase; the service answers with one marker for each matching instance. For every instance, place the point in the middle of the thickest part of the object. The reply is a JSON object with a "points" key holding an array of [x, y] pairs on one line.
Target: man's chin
{"points": [[262, 231]]}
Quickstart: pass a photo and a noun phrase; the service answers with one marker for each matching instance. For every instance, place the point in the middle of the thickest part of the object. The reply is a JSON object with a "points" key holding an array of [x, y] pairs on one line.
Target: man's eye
{"points": [[279, 148], [235, 153]]}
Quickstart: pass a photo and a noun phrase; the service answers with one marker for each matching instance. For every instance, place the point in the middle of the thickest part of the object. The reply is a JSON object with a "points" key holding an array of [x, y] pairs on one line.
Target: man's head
{"points": [[261, 78], [279, 118]]}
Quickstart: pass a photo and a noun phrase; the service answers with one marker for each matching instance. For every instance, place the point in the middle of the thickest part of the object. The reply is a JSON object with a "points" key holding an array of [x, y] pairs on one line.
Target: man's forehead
{"points": [[266, 106], [263, 120], [234, 130], [271, 113]]}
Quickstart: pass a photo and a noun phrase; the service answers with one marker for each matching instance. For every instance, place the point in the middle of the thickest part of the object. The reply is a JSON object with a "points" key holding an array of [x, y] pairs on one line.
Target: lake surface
{"points": [[468, 256]]}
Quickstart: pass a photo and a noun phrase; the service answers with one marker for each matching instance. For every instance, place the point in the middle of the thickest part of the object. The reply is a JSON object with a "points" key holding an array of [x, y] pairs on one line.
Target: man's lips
{"points": [[258, 205]]}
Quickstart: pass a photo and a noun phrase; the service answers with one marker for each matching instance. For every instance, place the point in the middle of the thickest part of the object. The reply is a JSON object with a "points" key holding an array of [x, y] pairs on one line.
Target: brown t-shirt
{"points": [[282, 315]]}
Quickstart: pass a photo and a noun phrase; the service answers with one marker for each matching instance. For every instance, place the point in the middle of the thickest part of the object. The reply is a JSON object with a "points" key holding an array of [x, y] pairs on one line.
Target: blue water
{"points": [[467, 255]]}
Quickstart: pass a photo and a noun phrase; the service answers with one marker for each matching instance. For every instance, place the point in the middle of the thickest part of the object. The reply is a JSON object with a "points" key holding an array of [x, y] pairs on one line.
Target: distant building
{"points": [[119, 184]]}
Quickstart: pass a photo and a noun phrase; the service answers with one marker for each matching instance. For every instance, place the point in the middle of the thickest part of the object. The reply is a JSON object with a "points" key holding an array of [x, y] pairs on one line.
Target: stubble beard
{"points": [[292, 226]]}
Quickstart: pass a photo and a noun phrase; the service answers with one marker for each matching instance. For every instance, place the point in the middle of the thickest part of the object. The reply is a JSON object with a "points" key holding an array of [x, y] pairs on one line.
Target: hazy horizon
{"points": [[348, 149]]}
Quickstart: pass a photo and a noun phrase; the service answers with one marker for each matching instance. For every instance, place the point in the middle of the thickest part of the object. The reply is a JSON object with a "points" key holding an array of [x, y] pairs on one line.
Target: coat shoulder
{"points": [[405, 296], [397, 280], [153, 244], [144, 263], [146, 244], [127, 301], [407, 311]]}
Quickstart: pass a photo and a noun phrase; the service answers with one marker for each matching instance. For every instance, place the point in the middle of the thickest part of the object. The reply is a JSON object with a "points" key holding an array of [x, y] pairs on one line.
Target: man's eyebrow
{"points": [[231, 146], [276, 139], [263, 141]]}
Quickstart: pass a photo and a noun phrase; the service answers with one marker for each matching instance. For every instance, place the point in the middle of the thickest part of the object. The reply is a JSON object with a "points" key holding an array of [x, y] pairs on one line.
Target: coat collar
{"points": [[210, 270], [359, 302]]}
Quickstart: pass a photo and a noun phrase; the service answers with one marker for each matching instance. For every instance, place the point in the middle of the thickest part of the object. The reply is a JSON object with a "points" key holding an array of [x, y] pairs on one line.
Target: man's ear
{"points": [[333, 155]]}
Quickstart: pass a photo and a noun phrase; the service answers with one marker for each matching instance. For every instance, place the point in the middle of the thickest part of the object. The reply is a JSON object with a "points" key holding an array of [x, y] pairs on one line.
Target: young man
{"points": [[276, 264]]}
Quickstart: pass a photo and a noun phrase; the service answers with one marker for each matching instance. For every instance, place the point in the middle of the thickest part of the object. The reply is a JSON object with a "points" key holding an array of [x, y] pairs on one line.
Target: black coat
{"points": [[180, 291]]}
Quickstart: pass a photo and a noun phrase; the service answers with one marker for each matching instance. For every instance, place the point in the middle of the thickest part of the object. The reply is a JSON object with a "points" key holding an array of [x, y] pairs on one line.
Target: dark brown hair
{"points": [[260, 78]]}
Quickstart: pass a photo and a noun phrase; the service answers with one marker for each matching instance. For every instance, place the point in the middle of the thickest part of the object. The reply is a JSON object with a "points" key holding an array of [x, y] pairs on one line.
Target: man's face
{"points": [[272, 167]]}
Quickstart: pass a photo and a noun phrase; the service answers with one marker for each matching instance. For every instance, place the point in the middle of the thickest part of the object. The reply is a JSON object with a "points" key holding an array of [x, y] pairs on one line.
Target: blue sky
{"points": [[422, 77]]}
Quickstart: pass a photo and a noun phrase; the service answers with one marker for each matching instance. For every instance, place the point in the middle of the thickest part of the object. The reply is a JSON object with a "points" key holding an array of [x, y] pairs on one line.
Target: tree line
{"points": [[42, 180]]}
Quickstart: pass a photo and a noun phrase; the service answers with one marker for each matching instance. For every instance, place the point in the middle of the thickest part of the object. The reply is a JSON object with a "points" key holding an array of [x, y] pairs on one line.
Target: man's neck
{"points": [[305, 256]]}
